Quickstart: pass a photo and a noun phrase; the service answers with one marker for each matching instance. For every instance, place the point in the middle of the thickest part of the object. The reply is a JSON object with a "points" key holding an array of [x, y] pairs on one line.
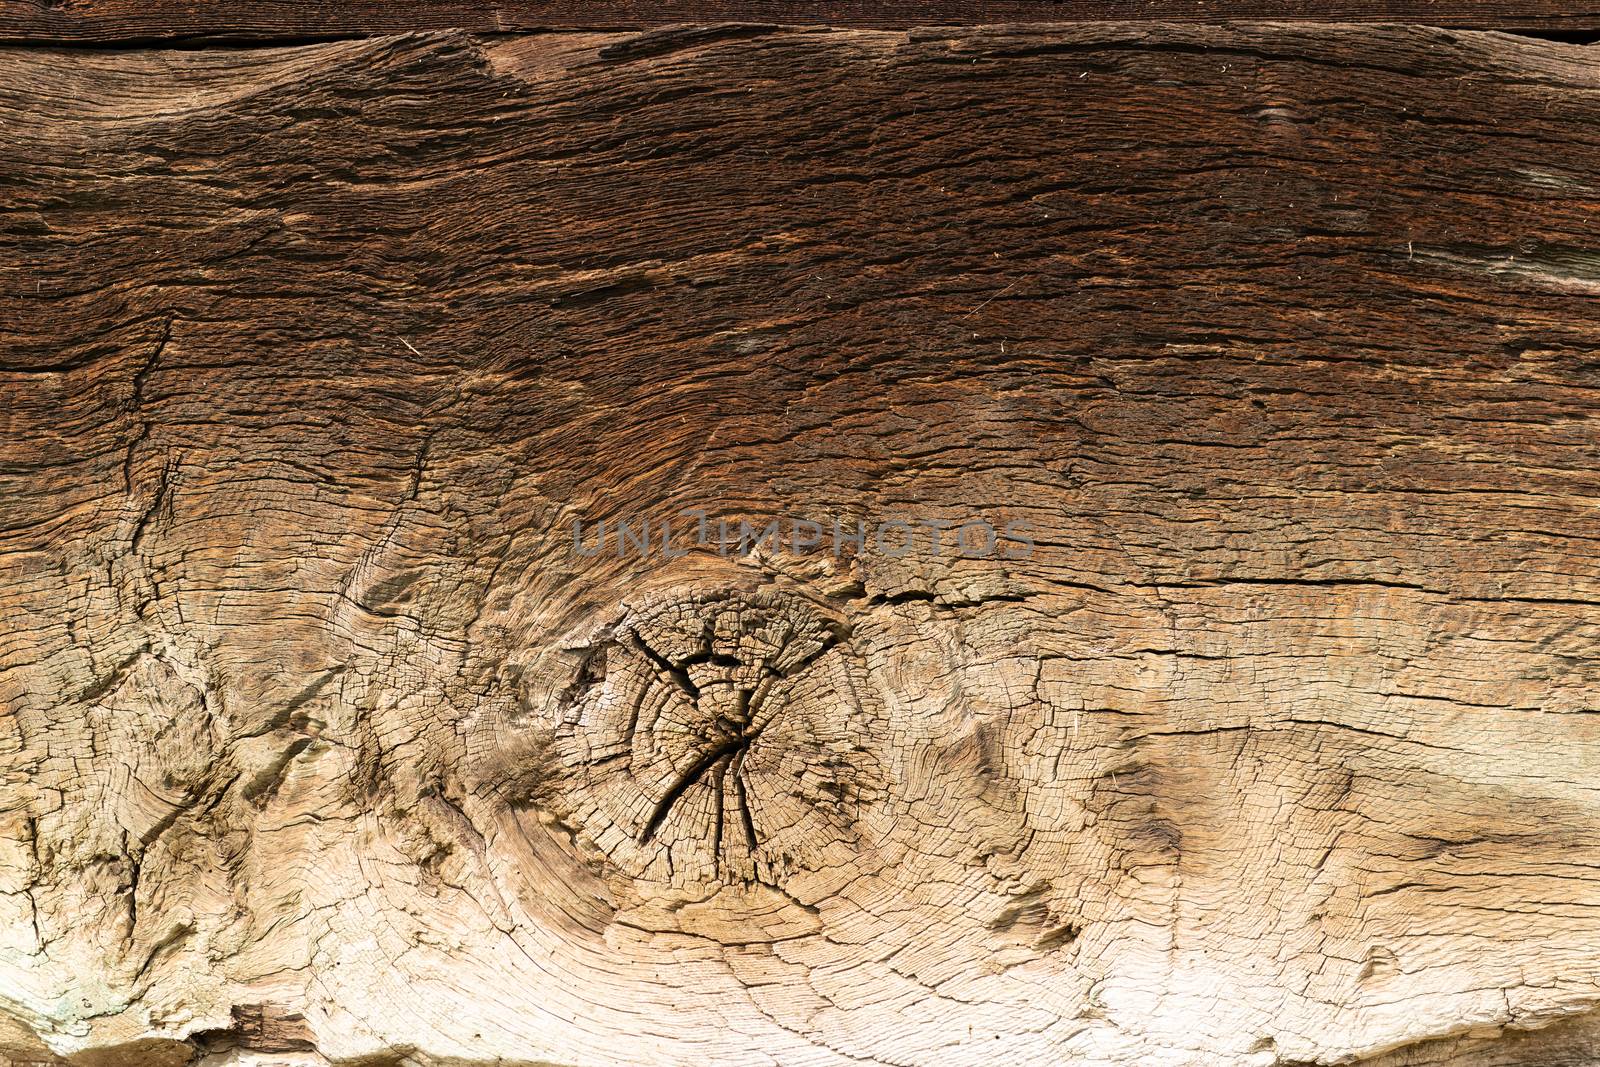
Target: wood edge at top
{"points": [[132, 23]]}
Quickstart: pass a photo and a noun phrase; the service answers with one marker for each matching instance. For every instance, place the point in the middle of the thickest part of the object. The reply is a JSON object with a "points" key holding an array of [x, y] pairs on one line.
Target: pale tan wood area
{"points": [[322, 744]]}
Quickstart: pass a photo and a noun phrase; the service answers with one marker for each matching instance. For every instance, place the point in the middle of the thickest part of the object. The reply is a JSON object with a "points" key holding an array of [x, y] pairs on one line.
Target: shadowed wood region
{"points": [[155, 21], [1262, 729]]}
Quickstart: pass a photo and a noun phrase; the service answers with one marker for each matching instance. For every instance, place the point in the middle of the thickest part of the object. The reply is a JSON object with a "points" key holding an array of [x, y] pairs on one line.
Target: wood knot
{"points": [[717, 738]]}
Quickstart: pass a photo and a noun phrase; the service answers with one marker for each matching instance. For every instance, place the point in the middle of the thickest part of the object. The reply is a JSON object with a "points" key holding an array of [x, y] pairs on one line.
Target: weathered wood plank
{"points": [[1280, 745], [157, 20]]}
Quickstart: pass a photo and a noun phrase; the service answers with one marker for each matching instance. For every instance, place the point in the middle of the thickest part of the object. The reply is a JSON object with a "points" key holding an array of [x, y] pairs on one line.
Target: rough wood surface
{"points": [[1282, 746], [157, 20]]}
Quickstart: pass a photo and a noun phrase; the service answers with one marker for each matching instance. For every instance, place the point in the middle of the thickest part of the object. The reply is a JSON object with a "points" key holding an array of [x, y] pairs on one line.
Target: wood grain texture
{"points": [[129, 21], [321, 744]]}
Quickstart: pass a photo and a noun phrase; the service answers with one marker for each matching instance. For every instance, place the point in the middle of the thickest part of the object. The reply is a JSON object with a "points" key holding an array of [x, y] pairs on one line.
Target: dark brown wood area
{"points": [[135, 21]]}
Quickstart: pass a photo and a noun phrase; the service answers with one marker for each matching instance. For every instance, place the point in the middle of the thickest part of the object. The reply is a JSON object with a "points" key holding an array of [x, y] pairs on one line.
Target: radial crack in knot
{"points": [[724, 741]]}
